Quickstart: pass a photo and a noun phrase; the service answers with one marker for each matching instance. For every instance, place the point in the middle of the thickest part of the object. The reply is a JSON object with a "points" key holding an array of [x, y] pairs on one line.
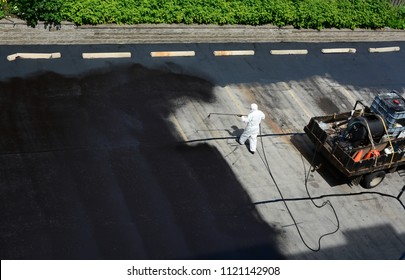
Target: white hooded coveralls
{"points": [[252, 128]]}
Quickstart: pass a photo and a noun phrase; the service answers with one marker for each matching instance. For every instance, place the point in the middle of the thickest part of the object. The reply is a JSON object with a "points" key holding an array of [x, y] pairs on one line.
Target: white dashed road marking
{"points": [[386, 49], [230, 53], [339, 50], [106, 55], [172, 53], [15, 56], [288, 52]]}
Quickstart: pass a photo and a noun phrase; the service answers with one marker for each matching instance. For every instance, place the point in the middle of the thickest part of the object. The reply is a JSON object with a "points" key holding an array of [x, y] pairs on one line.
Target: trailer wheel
{"points": [[372, 180], [392, 170]]}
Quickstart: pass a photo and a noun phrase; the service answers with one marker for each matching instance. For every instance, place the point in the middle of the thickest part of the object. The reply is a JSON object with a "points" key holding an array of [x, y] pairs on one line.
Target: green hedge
{"points": [[3, 8], [33, 10], [298, 13]]}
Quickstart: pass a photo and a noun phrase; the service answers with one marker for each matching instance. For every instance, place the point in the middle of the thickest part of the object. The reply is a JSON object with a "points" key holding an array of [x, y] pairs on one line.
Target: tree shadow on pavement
{"points": [[92, 169]]}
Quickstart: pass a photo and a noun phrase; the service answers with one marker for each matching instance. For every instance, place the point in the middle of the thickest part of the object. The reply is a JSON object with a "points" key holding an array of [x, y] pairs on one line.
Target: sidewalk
{"points": [[18, 33]]}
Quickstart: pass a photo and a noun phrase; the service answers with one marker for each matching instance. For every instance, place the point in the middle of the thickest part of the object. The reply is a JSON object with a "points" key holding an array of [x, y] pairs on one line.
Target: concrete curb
{"points": [[16, 32]]}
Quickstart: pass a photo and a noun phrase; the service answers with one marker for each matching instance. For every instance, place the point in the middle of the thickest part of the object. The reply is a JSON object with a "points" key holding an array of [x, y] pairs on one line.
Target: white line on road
{"points": [[385, 49], [297, 99], [15, 56], [234, 99], [288, 52], [237, 52], [177, 125], [106, 55], [172, 53], [339, 50]]}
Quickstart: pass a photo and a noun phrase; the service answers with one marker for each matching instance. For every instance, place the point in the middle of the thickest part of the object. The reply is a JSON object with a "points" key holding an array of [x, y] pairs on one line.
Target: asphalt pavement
{"points": [[116, 158]]}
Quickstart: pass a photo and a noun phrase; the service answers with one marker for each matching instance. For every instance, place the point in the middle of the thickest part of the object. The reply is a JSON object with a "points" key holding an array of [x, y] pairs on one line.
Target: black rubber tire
{"points": [[372, 180], [392, 170]]}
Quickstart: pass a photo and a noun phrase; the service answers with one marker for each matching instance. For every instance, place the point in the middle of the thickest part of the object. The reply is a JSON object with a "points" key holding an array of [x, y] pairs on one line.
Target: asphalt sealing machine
{"points": [[365, 143]]}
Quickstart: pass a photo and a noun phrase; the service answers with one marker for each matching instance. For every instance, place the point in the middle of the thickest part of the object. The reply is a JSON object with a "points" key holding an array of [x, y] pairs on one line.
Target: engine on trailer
{"points": [[383, 121], [360, 131]]}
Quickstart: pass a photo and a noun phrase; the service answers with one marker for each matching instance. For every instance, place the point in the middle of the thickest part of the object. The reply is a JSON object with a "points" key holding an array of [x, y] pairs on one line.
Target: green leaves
{"points": [[315, 14], [398, 18], [3, 8], [38, 10], [320, 14]]}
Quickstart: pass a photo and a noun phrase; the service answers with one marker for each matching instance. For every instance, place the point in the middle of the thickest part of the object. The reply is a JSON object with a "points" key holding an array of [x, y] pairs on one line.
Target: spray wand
{"points": [[224, 114]]}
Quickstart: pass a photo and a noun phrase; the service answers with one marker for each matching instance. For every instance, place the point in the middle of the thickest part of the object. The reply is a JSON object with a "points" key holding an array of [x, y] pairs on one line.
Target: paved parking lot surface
{"points": [[116, 158]]}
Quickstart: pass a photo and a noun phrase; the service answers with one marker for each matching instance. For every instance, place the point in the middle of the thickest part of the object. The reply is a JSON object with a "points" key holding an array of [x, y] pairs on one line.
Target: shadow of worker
{"points": [[236, 131]]}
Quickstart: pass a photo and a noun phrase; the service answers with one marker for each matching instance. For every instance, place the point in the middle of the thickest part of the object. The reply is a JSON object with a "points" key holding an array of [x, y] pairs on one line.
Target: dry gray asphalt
{"points": [[94, 163]]}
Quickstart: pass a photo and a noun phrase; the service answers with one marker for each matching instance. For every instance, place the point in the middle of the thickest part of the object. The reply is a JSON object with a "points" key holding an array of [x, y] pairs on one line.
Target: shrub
{"points": [[38, 10], [397, 19], [3, 8], [299, 13]]}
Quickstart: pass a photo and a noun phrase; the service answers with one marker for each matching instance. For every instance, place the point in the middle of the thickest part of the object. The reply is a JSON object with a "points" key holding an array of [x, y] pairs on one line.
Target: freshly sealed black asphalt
{"points": [[91, 170]]}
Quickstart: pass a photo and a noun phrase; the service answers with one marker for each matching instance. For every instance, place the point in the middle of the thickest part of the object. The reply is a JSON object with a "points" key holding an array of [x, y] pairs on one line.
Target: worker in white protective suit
{"points": [[252, 128]]}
